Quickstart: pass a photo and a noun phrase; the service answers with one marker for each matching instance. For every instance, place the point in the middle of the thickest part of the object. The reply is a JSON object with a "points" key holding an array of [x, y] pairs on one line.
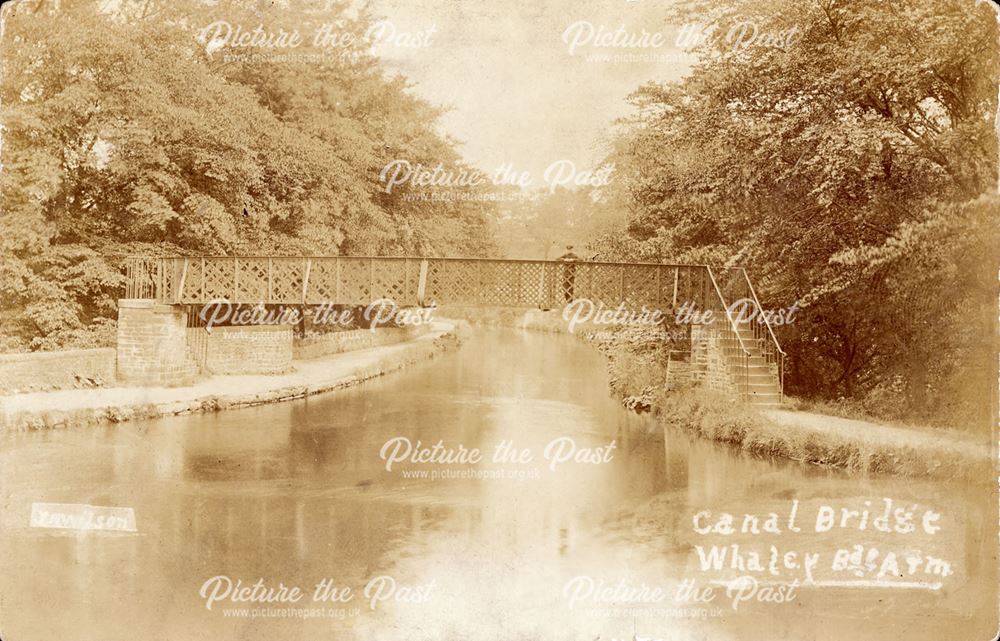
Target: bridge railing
{"points": [[141, 275], [415, 281]]}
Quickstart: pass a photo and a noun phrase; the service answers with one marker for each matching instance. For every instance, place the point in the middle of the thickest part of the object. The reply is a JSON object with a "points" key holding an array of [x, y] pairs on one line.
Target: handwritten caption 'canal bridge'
{"points": [[743, 355]]}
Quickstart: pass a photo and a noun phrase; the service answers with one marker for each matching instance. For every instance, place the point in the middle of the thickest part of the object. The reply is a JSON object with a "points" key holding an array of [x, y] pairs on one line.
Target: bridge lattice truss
{"points": [[416, 281]]}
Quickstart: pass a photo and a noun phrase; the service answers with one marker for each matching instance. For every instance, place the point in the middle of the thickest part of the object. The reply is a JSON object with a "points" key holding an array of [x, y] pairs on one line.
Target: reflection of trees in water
{"points": [[345, 534], [675, 459], [314, 451], [239, 466]]}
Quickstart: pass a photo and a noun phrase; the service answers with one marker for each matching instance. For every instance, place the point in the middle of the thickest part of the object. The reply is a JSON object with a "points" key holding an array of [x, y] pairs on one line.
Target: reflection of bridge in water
{"points": [[734, 353]]}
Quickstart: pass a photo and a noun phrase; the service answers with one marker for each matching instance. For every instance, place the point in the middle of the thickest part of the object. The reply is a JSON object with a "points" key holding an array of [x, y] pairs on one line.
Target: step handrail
{"points": [[760, 310], [746, 356], [774, 339], [732, 323]]}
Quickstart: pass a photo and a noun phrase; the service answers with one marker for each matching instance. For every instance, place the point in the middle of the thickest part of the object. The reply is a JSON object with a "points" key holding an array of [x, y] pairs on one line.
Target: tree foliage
{"points": [[124, 133], [545, 222], [846, 167]]}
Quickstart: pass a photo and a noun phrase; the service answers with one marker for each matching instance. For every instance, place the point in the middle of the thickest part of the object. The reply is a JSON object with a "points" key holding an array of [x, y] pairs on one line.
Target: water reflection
{"points": [[296, 493]]}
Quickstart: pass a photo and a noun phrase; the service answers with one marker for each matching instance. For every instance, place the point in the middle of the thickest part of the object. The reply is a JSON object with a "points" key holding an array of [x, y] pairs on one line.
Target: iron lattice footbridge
{"points": [[752, 357]]}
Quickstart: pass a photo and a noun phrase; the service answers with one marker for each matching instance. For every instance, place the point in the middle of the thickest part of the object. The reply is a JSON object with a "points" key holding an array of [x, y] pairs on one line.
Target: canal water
{"points": [[297, 494]]}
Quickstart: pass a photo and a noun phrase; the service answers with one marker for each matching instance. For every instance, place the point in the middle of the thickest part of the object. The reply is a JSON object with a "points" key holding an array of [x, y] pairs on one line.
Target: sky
{"points": [[517, 94]]}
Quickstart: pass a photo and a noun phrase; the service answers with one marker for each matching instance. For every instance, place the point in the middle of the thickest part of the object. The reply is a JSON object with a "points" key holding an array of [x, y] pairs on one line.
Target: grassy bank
{"points": [[849, 445]]}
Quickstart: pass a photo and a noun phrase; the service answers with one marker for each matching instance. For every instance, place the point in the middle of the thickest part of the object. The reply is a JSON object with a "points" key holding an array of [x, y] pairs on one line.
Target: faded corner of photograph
{"points": [[535, 320]]}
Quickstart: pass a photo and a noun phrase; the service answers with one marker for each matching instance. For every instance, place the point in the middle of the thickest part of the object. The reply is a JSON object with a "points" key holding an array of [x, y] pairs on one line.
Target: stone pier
{"points": [[152, 344]]}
